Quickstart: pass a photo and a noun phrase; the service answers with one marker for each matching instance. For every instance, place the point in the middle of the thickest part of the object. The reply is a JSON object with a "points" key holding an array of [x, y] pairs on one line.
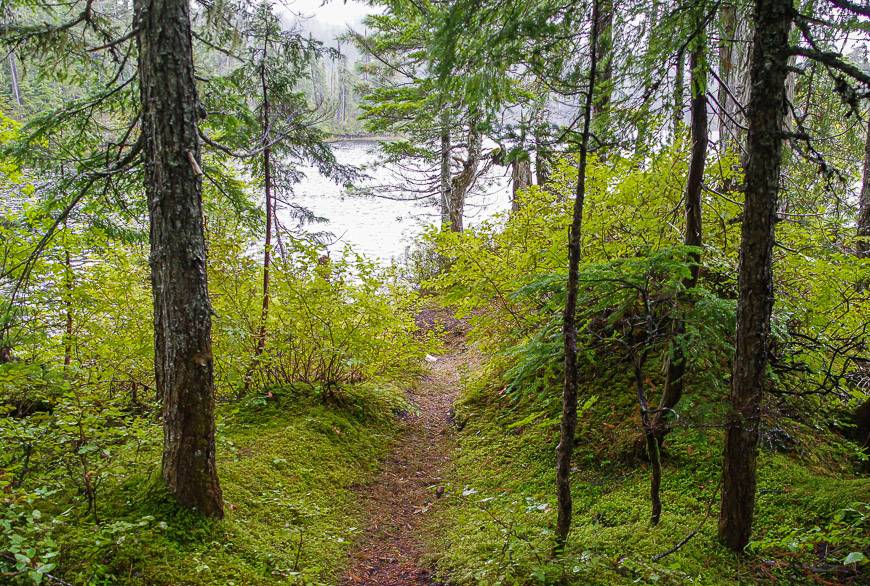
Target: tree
{"points": [[183, 359], [766, 111], [673, 389], [568, 424]]}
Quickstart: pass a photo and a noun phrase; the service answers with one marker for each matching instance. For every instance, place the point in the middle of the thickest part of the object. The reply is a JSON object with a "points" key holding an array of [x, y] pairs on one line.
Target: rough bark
{"points": [[182, 310], [755, 278], [568, 424], [673, 389], [861, 416]]}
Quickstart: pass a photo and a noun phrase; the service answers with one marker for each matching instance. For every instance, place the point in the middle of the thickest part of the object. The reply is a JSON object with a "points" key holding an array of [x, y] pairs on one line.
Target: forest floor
{"points": [[397, 504]]}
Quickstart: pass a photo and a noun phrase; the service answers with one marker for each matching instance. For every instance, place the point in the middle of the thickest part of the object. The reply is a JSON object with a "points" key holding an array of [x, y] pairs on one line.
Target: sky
{"points": [[337, 12]]}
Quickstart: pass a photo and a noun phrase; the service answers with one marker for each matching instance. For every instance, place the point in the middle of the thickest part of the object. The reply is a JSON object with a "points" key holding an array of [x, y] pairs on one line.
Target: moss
{"points": [[497, 520], [288, 465]]}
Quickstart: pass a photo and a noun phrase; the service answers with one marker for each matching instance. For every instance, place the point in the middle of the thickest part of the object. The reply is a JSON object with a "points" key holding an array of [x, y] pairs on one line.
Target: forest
{"points": [[622, 336]]}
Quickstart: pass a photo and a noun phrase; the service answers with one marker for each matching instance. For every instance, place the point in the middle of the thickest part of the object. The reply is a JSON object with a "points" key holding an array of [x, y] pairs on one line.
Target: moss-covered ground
{"points": [[496, 522], [288, 467]]}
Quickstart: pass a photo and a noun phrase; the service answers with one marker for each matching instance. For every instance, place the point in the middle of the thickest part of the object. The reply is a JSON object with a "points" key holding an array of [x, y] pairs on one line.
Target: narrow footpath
{"points": [[397, 503]]}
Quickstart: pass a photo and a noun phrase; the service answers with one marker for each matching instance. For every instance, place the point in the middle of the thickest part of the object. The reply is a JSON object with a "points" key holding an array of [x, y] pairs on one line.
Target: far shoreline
{"points": [[362, 138]]}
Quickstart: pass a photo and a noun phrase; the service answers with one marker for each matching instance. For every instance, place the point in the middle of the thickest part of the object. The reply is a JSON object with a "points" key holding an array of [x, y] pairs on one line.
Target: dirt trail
{"points": [[397, 503]]}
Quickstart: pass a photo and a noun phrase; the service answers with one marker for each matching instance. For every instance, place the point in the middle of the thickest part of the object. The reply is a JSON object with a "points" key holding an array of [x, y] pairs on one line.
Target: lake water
{"points": [[381, 228]]}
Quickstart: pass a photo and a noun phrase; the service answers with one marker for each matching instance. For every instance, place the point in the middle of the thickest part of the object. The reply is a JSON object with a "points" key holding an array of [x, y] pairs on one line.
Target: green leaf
{"points": [[854, 558]]}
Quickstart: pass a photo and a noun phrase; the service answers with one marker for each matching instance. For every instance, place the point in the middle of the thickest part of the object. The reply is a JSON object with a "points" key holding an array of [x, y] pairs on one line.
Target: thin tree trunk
{"points": [[68, 309], [604, 74], [13, 66], [183, 361], [569, 328], [13, 78], [673, 390], [444, 176], [679, 91], [863, 248], [652, 444], [727, 109], [270, 207], [755, 277]]}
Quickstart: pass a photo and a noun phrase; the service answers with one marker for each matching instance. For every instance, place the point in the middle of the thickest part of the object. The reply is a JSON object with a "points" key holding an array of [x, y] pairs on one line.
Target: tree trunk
{"points": [[728, 22], [861, 416], [568, 424], [604, 74], [673, 390], [521, 177], [13, 78], [461, 183], [270, 210], [68, 309], [542, 150], [863, 248], [182, 310], [444, 176], [755, 278], [679, 91]]}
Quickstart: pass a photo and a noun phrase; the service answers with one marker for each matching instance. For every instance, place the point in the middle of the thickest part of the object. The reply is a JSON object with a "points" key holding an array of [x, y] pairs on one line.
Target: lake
{"points": [[383, 229]]}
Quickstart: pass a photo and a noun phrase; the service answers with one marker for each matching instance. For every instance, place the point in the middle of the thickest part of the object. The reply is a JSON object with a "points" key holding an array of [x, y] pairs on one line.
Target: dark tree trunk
{"points": [[652, 444], [270, 210], [861, 416], [863, 248], [568, 425], [673, 390], [182, 310], [755, 278]]}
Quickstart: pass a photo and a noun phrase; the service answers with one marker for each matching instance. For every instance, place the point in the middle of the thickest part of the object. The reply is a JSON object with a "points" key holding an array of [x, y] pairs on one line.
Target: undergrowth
{"points": [[497, 518], [288, 463]]}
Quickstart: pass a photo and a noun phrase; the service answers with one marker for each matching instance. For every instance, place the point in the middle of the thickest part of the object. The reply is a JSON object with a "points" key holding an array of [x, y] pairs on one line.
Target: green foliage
{"points": [[496, 517]]}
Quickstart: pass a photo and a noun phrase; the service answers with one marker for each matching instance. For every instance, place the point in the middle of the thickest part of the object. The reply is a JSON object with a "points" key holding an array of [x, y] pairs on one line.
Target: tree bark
{"points": [[673, 389], [568, 424], [521, 178], [182, 309], [755, 278]]}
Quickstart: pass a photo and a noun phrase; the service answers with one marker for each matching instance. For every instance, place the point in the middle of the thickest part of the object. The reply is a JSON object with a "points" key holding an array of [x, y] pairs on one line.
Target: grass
{"points": [[288, 467], [496, 522]]}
